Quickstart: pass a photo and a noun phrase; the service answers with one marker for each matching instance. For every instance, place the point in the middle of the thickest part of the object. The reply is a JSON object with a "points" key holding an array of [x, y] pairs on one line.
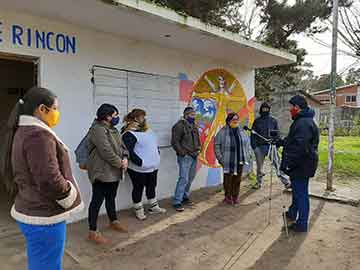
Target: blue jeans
{"points": [[300, 207], [45, 245], [187, 172]]}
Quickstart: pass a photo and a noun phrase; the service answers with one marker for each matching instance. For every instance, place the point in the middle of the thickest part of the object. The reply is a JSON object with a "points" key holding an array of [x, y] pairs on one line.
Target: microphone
{"points": [[247, 128]]}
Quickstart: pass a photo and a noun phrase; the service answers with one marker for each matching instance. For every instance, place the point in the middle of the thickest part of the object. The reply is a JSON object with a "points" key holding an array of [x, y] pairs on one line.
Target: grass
{"points": [[347, 155]]}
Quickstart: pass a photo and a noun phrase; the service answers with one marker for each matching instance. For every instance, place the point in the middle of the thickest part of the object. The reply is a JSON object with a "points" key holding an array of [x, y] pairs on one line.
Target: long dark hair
{"points": [[35, 97]]}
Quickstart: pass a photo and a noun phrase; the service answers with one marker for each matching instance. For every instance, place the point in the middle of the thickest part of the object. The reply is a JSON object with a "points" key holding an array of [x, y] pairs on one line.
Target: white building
{"points": [[132, 54]]}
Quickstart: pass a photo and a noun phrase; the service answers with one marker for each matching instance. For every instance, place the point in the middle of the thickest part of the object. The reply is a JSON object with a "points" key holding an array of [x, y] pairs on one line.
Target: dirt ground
{"points": [[211, 236]]}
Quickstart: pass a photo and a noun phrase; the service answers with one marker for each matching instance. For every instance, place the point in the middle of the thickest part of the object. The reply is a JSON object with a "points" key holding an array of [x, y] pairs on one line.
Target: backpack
{"points": [[82, 152]]}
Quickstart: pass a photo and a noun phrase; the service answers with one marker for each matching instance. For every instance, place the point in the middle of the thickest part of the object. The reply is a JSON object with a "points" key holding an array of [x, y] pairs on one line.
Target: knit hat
{"points": [[299, 101], [230, 117], [188, 110]]}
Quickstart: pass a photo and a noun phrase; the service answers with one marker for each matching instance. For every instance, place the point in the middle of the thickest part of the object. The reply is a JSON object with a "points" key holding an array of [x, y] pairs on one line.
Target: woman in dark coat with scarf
{"points": [[233, 151]]}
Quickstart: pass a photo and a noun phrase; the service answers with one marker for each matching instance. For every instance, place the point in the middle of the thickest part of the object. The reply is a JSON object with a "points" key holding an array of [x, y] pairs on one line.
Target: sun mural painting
{"points": [[214, 95]]}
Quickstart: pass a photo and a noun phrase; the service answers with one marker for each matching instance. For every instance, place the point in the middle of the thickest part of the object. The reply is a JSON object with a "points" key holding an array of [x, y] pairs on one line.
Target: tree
{"points": [[215, 12], [281, 22], [322, 82], [271, 22], [353, 76], [349, 26]]}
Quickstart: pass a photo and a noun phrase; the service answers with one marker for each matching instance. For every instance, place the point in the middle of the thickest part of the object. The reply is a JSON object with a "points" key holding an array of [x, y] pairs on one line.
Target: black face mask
{"points": [[262, 113]]}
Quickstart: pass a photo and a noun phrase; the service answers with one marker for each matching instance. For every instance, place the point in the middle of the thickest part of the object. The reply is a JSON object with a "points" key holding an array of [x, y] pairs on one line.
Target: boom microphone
{"points": [[247, 128]]}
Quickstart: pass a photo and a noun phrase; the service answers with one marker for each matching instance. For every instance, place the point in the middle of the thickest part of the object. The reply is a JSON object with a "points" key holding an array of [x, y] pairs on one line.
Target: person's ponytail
{"points": [[7, 133]]}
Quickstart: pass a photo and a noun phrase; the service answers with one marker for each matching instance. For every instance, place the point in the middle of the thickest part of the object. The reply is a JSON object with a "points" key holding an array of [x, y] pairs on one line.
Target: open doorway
{"points": [[17, 75]]}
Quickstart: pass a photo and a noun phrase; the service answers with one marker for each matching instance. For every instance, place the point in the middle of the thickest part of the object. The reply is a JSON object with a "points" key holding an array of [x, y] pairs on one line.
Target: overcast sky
{"points": [[318, 55]]}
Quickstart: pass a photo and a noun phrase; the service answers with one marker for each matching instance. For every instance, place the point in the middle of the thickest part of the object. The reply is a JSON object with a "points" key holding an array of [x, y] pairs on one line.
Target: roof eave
{"points": [[198, 25]]}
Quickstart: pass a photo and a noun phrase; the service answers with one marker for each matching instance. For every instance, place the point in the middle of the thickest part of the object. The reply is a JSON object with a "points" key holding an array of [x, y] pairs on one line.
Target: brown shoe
{"points": [[97, 238], [116, 226]]}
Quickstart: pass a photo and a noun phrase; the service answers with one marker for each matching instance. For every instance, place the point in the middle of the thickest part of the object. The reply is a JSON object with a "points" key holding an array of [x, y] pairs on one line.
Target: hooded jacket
{"points": [[263, 125], [300, 153]]}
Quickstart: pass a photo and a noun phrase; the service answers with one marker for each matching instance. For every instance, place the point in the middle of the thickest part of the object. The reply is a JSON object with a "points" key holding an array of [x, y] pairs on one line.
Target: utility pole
{"points": [[330, 172]]}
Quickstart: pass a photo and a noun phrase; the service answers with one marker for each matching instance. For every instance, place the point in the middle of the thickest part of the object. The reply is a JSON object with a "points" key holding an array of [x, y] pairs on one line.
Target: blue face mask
{"points": [[115, 121], [191, 120]]}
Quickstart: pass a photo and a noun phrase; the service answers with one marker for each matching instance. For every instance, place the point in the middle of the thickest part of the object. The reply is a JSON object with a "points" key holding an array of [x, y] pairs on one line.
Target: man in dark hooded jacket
{"points": [[300, 160], [263, 126]]}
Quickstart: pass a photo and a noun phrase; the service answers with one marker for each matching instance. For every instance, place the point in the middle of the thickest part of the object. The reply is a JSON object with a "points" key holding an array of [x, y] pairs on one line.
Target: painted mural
{"points": [[216, 93]]}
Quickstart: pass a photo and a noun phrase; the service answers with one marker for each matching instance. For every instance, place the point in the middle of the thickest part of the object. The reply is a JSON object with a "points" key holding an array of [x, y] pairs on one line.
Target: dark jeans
{"points": [[300, 206], [141, 181], [101, 191], [232, 184]]}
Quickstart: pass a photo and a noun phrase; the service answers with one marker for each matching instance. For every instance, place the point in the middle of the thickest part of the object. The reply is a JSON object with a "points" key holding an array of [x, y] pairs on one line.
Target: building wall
{"points": [[341, 96], [69, 76]]}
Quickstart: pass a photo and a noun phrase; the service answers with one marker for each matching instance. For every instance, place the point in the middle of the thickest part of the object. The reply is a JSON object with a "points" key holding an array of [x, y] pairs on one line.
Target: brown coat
{"points": [[47, 190], [106, 152], [185, 138]]}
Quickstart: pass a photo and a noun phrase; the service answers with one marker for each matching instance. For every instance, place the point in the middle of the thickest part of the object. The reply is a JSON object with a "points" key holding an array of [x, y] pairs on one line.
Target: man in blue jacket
{"points": [[300, 160]]}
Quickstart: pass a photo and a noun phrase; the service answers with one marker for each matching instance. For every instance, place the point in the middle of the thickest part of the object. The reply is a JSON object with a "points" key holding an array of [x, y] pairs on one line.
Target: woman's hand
{"points": [[124, 163]]}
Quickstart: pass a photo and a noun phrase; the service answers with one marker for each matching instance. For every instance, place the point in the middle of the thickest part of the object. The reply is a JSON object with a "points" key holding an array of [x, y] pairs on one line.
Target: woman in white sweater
{"points": [[142, 144]]}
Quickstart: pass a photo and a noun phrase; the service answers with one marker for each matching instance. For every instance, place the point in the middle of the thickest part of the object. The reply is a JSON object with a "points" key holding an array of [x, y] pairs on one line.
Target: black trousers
{"points": [[101, 191], [141, 181]]}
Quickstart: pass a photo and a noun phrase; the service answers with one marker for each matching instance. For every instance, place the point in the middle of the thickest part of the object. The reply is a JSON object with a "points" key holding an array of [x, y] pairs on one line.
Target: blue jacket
{"points": [[300, 153]]}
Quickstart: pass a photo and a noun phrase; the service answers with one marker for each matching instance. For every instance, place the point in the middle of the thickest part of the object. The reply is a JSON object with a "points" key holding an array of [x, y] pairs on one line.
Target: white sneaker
{"points": [[139, 211], [155, 208]]}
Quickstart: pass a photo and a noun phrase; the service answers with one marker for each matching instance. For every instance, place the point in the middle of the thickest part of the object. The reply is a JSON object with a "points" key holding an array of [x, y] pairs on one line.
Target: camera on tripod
{"points": [[274, 136]]}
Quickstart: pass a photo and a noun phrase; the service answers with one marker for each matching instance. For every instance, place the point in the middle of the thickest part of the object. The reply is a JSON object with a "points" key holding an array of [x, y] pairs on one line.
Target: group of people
{"points": [[35, 163]]}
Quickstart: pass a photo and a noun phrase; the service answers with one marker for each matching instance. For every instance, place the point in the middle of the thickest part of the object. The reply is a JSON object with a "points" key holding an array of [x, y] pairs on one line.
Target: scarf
{"points": [[134, 126]]}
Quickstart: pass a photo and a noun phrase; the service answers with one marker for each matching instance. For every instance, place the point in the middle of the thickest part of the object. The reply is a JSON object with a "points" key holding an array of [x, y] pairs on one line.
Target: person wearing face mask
{"points": [[300, 160], [143, 148], [185, 140], [107, 160], [233, 151], [263, 125], [35, 167]]}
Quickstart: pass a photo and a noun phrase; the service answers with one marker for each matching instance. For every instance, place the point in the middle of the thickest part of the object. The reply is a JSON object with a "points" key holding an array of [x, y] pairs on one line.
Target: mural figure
{"points": [[214, 95]]}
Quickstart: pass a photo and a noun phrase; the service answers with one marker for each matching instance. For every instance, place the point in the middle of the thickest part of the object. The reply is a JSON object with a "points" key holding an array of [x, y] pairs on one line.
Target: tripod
{"points": [[275, 164]]}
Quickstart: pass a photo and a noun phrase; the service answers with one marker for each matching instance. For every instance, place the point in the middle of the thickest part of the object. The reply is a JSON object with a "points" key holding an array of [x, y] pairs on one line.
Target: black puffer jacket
{"points": [[300, 153], [263, 125]]}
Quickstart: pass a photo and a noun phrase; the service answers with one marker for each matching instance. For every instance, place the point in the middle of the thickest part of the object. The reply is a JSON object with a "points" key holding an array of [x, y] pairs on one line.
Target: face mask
{"points": [[51, 118], [115, 121], [264, 113], [234, 125], [191, 120], [294, 112]]}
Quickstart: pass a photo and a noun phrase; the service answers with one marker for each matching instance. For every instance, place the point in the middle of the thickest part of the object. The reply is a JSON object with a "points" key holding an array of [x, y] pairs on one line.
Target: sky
{"points": [[318, 55]]}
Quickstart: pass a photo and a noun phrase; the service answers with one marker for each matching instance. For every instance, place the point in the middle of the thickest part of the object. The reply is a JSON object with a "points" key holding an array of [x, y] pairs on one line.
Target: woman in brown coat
{"points": [[38, 168], [106, 166]]}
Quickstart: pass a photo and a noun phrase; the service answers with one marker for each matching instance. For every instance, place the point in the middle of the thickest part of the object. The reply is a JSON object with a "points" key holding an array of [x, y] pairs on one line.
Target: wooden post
{"points": [[330, 171]]}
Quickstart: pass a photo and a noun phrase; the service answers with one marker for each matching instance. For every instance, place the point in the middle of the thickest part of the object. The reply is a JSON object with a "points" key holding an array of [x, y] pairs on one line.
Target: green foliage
{"points": [[323, 82], [281, 22], [209, 11], [353, 76]]}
